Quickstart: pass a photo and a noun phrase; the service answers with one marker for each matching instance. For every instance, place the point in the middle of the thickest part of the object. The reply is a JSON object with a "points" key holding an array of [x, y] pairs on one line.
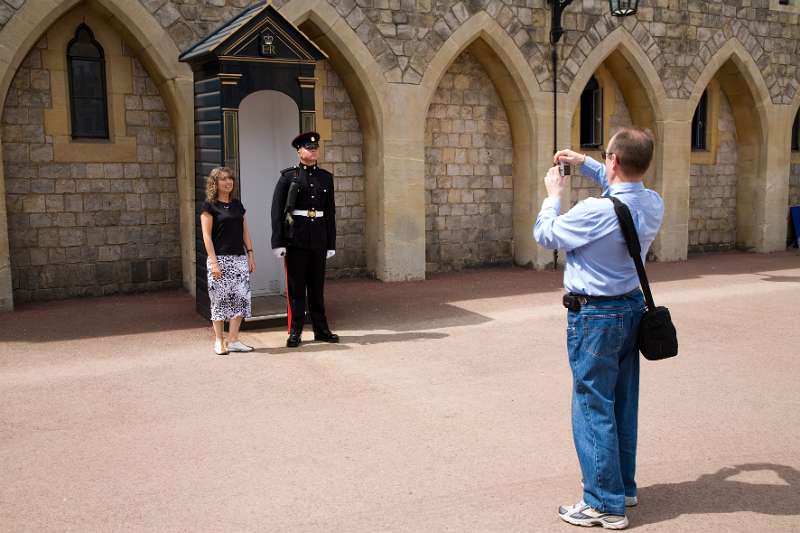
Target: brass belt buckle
{"points": [[312, 213]]}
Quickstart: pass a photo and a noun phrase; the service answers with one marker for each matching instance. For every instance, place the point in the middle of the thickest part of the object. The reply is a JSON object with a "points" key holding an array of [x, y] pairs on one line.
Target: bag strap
{"points": [[634, 247]]}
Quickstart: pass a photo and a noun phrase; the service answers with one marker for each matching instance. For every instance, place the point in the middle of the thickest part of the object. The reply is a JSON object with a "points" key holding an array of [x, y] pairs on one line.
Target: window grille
{"points": [[592, 114], [699, 123], [88, 99]]}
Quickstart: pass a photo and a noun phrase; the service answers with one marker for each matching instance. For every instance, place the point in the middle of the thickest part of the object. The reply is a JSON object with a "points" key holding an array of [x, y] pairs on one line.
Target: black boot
{"points": [[326, 335], [294, 339]]}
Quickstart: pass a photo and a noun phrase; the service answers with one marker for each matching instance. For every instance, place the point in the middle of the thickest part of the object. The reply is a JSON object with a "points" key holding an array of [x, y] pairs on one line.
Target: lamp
{"points": [[619, 8], [623, 8]]}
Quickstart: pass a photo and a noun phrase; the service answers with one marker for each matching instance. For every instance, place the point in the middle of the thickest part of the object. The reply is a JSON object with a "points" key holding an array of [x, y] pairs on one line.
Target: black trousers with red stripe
{"points": [[305, 282]]}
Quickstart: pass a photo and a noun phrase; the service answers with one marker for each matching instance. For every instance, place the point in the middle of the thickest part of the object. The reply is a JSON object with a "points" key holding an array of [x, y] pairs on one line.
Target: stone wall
{"points": [[342, 155], [468, 160], [85, 227], [679, 36], [9, 8], [712, 195]]}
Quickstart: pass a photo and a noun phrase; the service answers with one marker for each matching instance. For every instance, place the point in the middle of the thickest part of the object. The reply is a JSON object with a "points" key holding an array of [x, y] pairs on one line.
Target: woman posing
{"points": [[230, 259]]}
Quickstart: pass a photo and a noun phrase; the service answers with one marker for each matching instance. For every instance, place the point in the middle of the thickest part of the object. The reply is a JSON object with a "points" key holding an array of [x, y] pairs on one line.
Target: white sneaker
{"points": [[582, 514], [239, 346], [219, 348]]}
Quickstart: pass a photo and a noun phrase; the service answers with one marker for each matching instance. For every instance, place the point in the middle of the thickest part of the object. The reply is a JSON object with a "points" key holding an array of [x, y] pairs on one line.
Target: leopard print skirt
{"points": [[230, 294]]}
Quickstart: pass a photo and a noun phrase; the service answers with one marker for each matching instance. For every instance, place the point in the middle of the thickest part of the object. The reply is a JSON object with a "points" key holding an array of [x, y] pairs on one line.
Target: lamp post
{"points": [[618, 8]]}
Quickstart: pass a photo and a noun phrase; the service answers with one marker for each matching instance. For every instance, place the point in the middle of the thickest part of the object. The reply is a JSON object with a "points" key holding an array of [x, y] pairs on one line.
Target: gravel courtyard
{"points": [[445, 408]]}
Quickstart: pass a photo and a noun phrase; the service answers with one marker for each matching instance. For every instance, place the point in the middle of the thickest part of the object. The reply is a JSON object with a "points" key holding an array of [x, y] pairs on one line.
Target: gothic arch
{"points": [[480, 27], [621, 53], [620, 45], [733, 38], [140, 30], [519, 92], [159, 55], [350, 56], [363, 79], [334, 24], [637, 42], [742, 83], [733, 51], [496, 15]]}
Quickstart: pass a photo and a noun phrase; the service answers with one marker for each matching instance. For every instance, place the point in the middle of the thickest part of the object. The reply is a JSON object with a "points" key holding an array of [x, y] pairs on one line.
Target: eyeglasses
{"points": [[605, 155]]}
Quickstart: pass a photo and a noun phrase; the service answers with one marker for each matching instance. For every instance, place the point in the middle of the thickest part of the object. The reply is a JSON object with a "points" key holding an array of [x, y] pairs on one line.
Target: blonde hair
{"points": [[213, 178]]}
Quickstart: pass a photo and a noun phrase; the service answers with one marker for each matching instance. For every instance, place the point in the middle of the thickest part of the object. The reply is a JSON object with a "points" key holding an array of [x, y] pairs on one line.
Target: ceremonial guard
{"points": [[304, 235]]}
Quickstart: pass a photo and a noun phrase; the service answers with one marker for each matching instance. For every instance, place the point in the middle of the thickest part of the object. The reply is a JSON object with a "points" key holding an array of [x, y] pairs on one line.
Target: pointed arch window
{"points": [[88, 99], [592, 114], [796, 133], [699, 124]]}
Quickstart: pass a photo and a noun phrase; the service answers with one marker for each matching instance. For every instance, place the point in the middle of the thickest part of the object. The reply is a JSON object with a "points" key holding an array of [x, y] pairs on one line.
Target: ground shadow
{"points": [[728, 263], [84, 318], [411, 306], [345, 341], [718, 493], [358, 304], [780, 279], [378, 338], [305, 348]]}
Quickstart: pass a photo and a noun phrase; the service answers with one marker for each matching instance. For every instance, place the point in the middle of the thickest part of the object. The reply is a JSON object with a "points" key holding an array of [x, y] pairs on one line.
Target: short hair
{"points": [[212, 179], [634, 150]]}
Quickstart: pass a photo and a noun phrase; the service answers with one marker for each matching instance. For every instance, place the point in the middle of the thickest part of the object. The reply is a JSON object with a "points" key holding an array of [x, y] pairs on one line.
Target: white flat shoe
{"points": [[239, 346], [219, 348]]}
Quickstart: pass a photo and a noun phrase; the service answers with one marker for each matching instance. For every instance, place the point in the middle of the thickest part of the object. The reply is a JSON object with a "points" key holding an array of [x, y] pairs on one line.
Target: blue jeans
{"points": [[604, 358]]}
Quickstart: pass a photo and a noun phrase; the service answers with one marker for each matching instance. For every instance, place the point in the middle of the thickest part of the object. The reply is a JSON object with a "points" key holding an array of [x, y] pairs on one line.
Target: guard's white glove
{"points": [[330, 254], [279, 252]]}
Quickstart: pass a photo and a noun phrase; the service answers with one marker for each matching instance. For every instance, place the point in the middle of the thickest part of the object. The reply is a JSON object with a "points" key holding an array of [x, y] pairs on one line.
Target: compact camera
{"points": [[564, 169]]}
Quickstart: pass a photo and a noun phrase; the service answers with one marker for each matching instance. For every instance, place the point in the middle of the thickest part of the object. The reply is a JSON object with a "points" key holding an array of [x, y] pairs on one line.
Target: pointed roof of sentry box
{"points": [[237, 38]]}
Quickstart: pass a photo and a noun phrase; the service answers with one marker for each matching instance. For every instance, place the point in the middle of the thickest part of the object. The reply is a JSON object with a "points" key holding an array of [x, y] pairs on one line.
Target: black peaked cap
{"points": [[305, 138]]}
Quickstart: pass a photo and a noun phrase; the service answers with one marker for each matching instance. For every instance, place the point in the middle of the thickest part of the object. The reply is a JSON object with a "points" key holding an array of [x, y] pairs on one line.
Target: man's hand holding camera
{"points": [[557, 176], [554, 182], [568, 156]]}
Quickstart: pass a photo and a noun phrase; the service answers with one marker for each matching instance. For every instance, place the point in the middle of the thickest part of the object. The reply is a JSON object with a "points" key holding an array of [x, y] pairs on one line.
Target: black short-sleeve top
{"points": [[227, 233]]}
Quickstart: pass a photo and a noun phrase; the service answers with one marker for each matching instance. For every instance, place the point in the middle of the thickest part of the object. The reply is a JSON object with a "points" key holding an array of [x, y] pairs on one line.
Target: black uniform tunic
{"points": [[315, 191], [309, 241]]}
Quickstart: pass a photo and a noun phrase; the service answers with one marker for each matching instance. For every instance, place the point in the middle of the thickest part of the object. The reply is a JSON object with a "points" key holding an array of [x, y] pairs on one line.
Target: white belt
{"points": [[310, 213]]}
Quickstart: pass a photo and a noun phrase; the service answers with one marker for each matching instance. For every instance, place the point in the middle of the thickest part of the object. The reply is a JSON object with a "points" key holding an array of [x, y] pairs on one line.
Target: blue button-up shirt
{"points": [[598, 262]]}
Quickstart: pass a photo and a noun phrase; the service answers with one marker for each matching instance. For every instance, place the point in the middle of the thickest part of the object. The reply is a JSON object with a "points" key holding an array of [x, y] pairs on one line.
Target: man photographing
{"points": [[605, 307]]}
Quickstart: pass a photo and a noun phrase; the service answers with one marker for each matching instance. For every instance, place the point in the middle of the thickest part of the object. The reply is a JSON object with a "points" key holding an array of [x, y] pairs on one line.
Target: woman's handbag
{"points": [[657, 336]]}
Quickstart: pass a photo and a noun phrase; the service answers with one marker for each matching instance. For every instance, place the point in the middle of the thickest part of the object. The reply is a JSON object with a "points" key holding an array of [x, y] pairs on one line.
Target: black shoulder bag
{"points": [[657, 336]]}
